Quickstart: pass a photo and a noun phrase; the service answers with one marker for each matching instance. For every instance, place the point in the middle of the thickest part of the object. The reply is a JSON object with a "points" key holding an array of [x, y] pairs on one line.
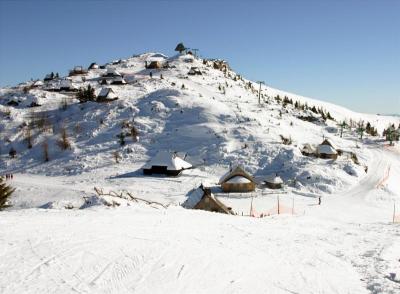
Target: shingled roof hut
{"points": [[106, 95], [327, 150], [274, 182], [93, 65], [202, 198], [166, 163], [237, 180], [155, 64], [77, 70]]}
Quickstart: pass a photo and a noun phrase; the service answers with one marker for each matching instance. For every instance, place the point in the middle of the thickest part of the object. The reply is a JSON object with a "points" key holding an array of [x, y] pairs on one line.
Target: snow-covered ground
{"points": [[348, 244]]}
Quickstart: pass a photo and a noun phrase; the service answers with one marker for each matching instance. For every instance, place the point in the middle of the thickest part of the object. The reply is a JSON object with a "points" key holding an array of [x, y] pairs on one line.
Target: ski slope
{"points": [[53, 241]]}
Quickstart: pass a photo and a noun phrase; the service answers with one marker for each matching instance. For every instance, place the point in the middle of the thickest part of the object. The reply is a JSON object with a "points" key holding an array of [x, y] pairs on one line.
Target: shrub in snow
{"points": [[5, 193]]}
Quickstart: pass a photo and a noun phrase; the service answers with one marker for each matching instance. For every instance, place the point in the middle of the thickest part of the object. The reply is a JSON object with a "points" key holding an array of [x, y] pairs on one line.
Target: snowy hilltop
{"points": [[98, 127]]}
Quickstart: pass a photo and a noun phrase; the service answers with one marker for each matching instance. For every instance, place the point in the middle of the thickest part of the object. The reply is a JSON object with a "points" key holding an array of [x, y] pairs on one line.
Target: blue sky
{"points": [[345, 52]]}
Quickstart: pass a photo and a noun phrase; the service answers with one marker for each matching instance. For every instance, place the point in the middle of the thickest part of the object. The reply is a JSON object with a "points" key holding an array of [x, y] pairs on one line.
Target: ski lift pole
{"points": [[259, 91], [394, 211]]}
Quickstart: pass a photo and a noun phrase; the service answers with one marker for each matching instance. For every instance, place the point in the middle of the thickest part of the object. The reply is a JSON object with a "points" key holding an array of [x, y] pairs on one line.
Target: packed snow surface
{"points": [[60, 236]]}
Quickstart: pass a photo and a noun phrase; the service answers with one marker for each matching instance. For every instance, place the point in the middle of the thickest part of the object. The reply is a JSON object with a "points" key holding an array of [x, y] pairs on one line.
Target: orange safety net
{"points": [[281, 209]]}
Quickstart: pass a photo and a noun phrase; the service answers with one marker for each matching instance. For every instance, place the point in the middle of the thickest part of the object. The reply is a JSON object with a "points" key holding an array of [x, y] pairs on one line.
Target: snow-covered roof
{"points": [[238, 180], [107, 93], [38, 83], [326, 149], [194, 197], [119, 79], [328, 142], [112, 72], [93, 65], [170, 160], [274, 179], [66, 84], [235, 171]]}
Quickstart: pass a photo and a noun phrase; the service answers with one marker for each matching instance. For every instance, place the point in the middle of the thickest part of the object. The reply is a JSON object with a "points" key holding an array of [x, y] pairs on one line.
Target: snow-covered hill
{"points": [[215, 119]]}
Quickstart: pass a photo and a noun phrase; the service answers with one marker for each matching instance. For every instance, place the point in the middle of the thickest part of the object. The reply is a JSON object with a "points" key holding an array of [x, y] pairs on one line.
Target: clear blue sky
{"points": [[346, 52]]}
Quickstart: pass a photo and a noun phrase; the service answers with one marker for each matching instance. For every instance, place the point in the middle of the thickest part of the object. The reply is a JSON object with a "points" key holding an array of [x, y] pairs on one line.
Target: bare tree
{"points": [[64, 142], [45, 146], [28, 136], [116, 156]]}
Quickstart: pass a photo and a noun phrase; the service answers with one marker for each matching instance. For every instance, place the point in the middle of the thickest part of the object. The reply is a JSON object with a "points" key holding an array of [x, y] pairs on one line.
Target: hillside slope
{"points": [[59, 236]]}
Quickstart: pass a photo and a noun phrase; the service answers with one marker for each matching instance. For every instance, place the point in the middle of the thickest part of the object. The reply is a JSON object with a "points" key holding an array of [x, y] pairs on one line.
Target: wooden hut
{"points": [[274, 182], [202, 198], [93, 65], [194, 71], [77, 70], [37, 83], [106, 95], [118, 81], [66, 85], [153, 64], [112, 73], [237, 180], [166, 163], [327, 150]]}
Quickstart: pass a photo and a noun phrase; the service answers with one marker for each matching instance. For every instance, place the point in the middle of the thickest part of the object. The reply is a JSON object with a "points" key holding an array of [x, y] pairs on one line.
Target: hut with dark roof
{"points": [[166, 163], [274, 182], [202, 198]]}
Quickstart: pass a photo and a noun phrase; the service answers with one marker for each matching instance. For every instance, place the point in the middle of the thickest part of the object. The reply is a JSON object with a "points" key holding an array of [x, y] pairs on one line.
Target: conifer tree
{"points": [[5, 193]]}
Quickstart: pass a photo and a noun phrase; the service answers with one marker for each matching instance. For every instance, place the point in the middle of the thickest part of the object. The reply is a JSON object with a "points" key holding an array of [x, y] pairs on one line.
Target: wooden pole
{"points": [[293, 205], [278, 205], [394, 211]]}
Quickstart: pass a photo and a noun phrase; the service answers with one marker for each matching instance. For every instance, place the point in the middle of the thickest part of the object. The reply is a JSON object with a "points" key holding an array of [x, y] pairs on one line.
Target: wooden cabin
{"points": [[77, 70], [327, 150], [237, 180], [37, 84], [274, 182], [93, 65], [194, 71], [202, 198], [118, 81], [112, 73], [153, 64], [106, 95], [66, 85], [166, 163]]}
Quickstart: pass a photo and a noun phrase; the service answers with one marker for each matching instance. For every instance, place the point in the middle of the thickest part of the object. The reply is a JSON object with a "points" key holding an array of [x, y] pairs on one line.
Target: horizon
{"points": [[342, 53]]}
